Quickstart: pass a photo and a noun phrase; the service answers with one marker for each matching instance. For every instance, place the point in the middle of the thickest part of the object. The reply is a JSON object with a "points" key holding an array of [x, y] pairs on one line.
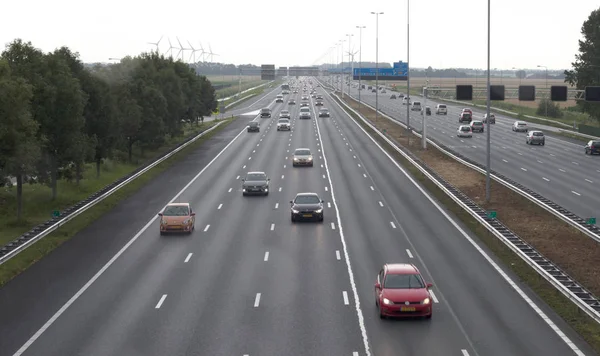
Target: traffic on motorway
{"points": [[298, 232]]}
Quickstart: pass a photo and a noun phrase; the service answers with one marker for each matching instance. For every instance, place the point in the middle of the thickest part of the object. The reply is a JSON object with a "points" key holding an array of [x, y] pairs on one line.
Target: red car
{"points": [[400, 291], [177, 217]]}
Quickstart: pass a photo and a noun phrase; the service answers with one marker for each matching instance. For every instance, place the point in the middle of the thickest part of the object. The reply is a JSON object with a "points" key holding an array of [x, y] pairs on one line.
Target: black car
{"points": [[324, 112], [592, 147], [307, 206], [255, 183], [265, 112], [253, 126], [393, 96], [319, 103], [292, 102]]}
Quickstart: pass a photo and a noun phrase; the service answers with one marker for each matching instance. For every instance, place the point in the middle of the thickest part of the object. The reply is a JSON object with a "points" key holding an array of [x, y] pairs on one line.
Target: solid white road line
{"points": [[229, 191], [333, 226], [546, 179], [276, 205], [187, 259], [160, 302], [410, 255], [272, 227], [337, 255], [257, 300], [435, 300], [220, 206], [266, 256], [393, 225], [206, 228], [381, 204], [345, 295], [574, 192]]}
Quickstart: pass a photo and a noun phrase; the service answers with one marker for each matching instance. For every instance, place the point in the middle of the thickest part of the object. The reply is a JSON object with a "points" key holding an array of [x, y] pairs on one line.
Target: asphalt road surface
{"points": [[560, 170], [250, 282]]}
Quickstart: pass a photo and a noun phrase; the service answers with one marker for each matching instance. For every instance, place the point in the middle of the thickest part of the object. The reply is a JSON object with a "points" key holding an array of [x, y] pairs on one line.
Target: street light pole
{"points": [[408, 70], [376, 62], [359, 62], [488, 160], [548, 98], [350, 59]]}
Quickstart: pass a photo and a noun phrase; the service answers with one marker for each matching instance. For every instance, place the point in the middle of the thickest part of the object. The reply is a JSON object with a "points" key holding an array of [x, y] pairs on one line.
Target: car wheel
{"points": [[162, 233], [587, 152], [293, 220], [543, 143], [244, 194], [321, 219], [266, 193], [381, 316], [429, 316]]}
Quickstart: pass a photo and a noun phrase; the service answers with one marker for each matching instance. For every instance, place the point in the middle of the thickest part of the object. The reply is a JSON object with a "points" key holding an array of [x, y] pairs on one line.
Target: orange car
{"points": [[177, 217]]}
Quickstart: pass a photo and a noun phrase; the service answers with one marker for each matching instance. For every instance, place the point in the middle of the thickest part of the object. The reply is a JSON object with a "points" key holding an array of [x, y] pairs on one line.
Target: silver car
{"points": [[520, 126], [284, 114], [304, 113], [284, 125], [535, 137], [302, 157], [464, 131]]}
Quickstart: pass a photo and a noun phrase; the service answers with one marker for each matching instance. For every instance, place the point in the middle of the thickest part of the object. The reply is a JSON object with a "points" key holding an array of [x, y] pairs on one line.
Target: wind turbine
{"points": [[157, 43], [171, 48], [202, 52], [181, 50], [193, 54], [210, 53]]}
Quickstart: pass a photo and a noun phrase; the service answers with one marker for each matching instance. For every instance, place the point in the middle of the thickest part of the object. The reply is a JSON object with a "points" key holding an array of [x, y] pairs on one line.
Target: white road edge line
{"points": [[345, 295], [187, 259], [160, 302], [498, 269], [257, 300], [359, 313], [410, 255], [266, 256]]}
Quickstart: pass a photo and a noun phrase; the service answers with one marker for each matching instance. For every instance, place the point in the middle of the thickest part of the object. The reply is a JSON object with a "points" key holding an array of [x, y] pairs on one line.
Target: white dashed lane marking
{"points": [[266, 256], [161, 301], [206, 228], [546, 179], [187, 259], [574, 192], [345, 296], [230, 189], [409, 253], [337, 255], [220, 206], [381, 204], [332, 226], [257, 300]]}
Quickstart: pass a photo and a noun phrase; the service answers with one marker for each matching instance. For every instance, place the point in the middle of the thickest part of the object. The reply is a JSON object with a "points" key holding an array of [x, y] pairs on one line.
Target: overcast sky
{"points": [[444, 33]]}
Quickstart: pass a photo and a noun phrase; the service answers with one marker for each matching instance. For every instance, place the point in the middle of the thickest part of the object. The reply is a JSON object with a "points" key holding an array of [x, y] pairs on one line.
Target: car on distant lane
{"points": [[520, 126], [265, 112], [283, 125], [302, 157], [319, 103], [535, 137], [592, 147], [177, 217], [477, 126], [492, 119], [465, 116], [324, 112], [307, 206], [253, 126], [304, 113], [441, 109], [279, 98], [464, 131], [284, 114], [292, 102], [255, 183], [401, 291]]}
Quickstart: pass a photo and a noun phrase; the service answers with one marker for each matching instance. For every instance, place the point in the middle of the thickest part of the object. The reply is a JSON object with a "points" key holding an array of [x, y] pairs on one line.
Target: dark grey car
{"points": [[307, 206], [255, 183], [253, 126]]}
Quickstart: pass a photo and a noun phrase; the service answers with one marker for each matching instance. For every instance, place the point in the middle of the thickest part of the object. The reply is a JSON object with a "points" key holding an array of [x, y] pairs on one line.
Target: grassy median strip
{"points": [[35, 252], [574, 252]]}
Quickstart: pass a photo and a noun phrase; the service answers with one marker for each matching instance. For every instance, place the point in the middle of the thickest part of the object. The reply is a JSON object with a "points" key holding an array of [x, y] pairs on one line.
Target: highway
{"points": [[249, 282], [560, 170]]}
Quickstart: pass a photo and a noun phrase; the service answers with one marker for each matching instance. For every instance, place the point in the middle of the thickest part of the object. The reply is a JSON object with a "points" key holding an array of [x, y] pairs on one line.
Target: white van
{"points": [[416, 106], [441, 109]]}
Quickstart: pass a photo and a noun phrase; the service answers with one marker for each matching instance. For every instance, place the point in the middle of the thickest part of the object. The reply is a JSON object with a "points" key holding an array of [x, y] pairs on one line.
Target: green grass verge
{"points": [[35, 252], [234, 89], [577, 319]]}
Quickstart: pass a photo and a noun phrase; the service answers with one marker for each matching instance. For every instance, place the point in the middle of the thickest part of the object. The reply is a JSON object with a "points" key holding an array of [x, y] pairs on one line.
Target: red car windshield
{"points": [[176, 210], [403, 281]]}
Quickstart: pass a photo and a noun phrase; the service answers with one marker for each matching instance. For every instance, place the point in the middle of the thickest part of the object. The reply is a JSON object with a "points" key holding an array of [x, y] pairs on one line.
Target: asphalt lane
{"points": [[559, 170], [151, 301], [478, 311]]}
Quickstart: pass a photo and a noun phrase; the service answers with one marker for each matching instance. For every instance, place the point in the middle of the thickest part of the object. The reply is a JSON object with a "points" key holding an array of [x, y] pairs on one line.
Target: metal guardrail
{"points": [[580, 296], [14, 247], [565, 215]]}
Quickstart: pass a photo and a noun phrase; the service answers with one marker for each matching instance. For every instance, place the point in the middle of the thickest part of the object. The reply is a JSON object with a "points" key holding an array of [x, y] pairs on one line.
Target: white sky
{"points": [[444, 33]]}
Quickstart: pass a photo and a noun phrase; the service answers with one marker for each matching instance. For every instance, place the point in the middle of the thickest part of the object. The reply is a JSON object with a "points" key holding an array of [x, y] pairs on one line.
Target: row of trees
{"points": [[57, 114], [586, 68]]}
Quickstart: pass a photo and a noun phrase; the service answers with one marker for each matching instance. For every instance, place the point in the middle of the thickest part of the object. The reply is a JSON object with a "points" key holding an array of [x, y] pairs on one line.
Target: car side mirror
{"points": [[377, 285], [193, 214], [322, 201], [243, 179], [160, 214], [429, 285], [291, 202]]}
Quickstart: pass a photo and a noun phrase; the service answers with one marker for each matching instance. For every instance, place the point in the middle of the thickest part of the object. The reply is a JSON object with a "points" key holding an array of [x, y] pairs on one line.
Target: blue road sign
{"points": [[399, 71]]}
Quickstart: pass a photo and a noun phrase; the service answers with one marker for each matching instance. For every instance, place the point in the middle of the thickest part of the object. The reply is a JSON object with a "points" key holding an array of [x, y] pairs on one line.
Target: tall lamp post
{"points": [[548, 98], [408, 70], [360, 28], [350, 58], [376, 62], [488, 148]]}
